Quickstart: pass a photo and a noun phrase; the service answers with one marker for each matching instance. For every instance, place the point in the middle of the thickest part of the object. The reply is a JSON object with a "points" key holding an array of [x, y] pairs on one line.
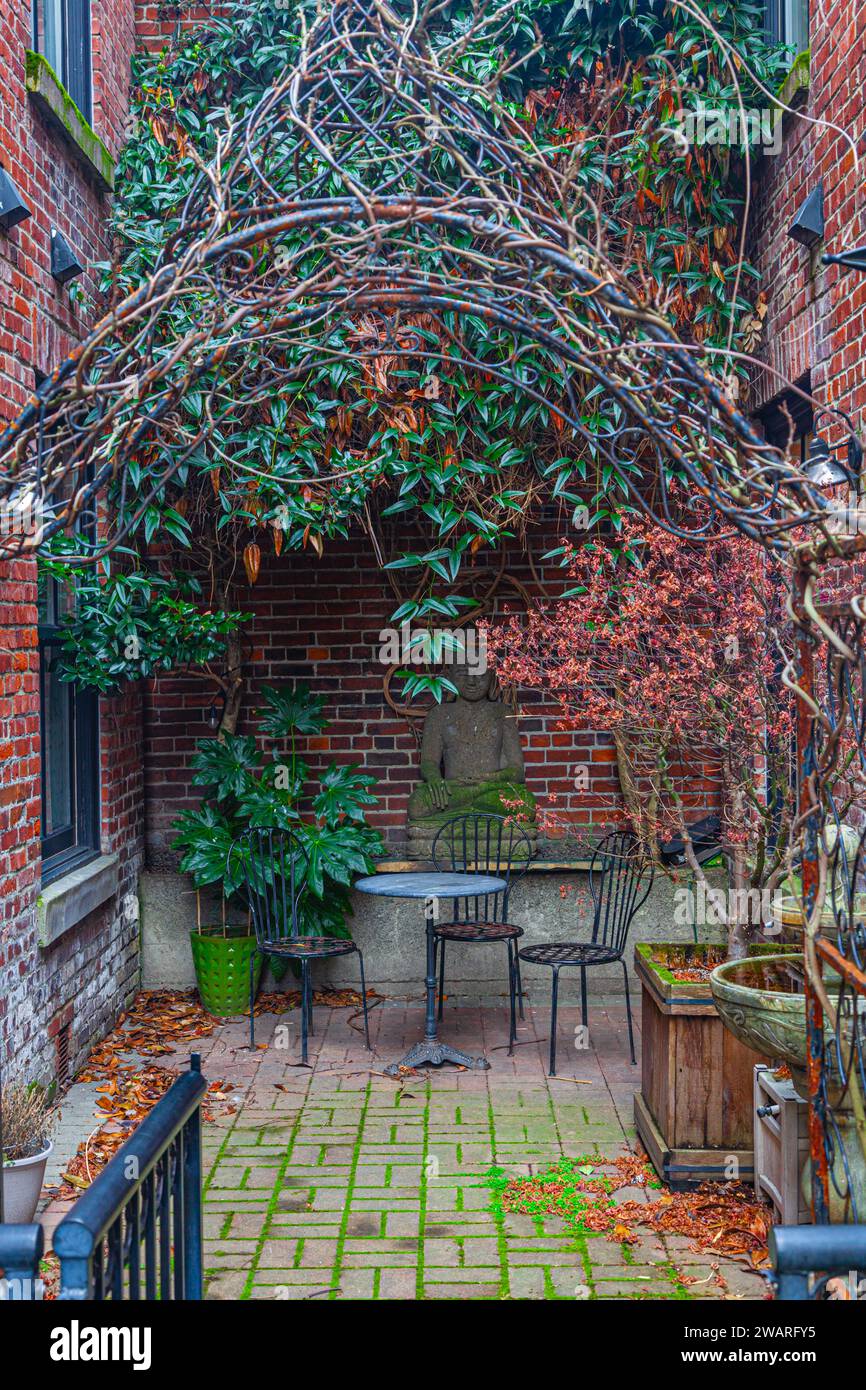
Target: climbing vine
{"points": [[421, 435]]}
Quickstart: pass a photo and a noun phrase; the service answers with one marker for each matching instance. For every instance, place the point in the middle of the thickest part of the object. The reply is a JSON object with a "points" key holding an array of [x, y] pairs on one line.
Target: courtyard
{"points": [[432, 557], [335, 1181]]}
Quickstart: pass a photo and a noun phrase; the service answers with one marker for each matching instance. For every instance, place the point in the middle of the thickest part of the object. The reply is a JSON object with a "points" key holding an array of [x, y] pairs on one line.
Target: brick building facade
{"points": [[58, 997], [816, 326], [319, 624]]}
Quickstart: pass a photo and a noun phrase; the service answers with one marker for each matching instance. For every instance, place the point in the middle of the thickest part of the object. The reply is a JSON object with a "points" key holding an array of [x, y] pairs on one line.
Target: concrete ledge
{"points": [[537, 866], [51, 98], [390, 931], [67, 901], [795, 88]]}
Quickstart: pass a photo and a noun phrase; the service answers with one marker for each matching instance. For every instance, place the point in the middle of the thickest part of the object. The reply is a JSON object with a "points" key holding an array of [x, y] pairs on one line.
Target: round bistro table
{"points": [[430, 887]]}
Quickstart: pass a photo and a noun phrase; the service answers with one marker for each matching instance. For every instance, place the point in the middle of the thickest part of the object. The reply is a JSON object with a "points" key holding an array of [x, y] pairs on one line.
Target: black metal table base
{"points": [[436, 1052], [431, 887]]}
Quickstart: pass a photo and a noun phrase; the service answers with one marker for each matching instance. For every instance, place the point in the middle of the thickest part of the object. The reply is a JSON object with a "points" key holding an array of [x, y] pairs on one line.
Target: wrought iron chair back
{"points": [[481, 843], [620, 878], [274, 866]]}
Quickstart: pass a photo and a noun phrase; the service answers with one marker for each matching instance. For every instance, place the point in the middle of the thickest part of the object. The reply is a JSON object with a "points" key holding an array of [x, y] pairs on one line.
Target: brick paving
{"points": [[334, 1181]]}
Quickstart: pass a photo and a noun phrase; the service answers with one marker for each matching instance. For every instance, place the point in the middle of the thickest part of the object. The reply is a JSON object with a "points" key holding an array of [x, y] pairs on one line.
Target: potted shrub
{"points": [[27, 1119], [247, 787], [676, 649]]}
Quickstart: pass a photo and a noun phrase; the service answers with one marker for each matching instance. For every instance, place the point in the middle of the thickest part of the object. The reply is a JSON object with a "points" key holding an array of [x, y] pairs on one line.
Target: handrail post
{"points": [[20, 1253], [165, 1148], [193, 1270], [828, 1250]]}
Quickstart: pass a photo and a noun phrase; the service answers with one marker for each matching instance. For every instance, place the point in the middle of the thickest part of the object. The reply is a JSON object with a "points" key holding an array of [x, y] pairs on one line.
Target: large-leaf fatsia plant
{"points": [[245, 787]]}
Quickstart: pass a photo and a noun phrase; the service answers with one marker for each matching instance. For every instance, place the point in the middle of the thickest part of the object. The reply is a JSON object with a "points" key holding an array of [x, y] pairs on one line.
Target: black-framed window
{"points": [[69, 726], [61, 33], [788, 22], [69, 738]]}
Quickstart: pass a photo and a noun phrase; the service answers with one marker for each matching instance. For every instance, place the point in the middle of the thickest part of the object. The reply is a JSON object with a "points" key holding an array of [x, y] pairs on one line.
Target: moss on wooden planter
{"points": [[663, 958]]}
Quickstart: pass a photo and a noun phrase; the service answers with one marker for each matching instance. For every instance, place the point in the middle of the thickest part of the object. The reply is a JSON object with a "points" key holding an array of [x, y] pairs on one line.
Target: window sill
{"points": [[51, 98], [68, 900], [795, 88]]}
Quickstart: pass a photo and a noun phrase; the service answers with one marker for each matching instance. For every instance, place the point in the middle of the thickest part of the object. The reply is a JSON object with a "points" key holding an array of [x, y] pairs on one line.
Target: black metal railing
{"points": [[136, 1233], [805, 1258], [20, 1254]]}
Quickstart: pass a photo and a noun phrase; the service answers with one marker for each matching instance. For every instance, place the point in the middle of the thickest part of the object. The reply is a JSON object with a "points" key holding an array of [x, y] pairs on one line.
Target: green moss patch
{"points": [[56, 105]]}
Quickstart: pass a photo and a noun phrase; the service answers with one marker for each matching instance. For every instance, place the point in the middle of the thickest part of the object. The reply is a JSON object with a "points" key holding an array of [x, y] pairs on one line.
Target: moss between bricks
{"points": [[57, 106]]}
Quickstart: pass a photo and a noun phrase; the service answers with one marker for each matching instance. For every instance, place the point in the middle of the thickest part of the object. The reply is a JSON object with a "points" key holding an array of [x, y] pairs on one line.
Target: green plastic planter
{"points": [[221, 956]]}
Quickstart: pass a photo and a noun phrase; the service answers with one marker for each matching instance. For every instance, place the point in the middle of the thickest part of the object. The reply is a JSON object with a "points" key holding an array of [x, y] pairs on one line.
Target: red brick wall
{"points": [[157, 23], [320, 621], [816, 320], [19, 757], [816, 313], [94, 967]]}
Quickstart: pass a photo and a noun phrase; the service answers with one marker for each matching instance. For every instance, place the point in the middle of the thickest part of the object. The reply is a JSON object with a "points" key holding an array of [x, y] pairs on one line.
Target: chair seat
{"points": [[308, 946], [569, 953], [477, 931]]}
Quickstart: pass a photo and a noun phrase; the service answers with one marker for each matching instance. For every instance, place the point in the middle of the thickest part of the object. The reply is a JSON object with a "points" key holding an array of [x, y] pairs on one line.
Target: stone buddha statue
{"points": [[471, 761]]}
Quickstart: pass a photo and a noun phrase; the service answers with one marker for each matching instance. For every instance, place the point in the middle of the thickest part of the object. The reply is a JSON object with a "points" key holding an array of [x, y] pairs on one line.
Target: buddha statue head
{"points": [[472, 682]]}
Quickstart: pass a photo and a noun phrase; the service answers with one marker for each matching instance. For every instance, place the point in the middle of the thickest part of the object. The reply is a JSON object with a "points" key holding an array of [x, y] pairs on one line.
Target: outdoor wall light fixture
{"points": [[215, 713], [824, 468], [821, 468], [808, 226], [852, 260], [13, 208], [65, 265]]}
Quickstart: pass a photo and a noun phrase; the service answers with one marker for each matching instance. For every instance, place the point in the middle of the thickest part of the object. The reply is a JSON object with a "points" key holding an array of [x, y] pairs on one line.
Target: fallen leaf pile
{"points": [[124, 1100], [282, 1001], [158, 1023], [725, 1218], [721, 1218]]}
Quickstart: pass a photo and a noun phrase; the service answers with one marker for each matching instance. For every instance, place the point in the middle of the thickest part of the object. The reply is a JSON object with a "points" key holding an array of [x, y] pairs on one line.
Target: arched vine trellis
{"points": [[418, 201]]}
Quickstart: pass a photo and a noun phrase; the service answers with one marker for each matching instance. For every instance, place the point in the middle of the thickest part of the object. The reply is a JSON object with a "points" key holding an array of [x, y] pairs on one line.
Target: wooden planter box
{"points": [[781, 1147], [694, 1112]]}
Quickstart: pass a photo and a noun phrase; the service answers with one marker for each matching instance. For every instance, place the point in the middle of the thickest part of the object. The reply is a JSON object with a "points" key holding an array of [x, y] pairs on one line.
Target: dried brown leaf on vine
{"points": [[159, 130], [252, 561]]}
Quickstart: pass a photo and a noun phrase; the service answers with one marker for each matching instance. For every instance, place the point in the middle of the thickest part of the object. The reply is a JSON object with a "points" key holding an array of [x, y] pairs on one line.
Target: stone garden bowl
{"points": [[761, 1001]]}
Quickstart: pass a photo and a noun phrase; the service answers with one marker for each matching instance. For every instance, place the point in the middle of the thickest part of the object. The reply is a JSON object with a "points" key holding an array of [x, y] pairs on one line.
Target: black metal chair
{"points": [[483, 843], [274, 865], [620, 878]]}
